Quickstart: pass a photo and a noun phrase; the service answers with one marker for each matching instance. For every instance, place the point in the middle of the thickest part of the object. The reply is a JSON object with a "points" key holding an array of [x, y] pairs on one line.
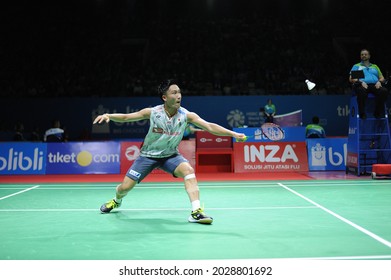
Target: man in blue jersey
{"points": [[371, 83], [168, 122], [314, 129]]}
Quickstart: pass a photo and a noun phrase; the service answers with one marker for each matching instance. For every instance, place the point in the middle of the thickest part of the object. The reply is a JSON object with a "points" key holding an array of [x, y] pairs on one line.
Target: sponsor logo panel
{"points": [[273, 157], [83, 158], [22, 158], [327, 154]]}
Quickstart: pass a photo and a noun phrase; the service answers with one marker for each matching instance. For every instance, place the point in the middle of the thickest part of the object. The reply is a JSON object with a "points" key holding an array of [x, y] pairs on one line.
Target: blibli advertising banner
{"points": [[327, 154], [22, 158], [83, 158]]}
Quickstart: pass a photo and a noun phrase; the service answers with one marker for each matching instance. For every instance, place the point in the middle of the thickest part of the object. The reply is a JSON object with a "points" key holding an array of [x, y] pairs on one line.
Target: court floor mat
{"points": [[326, 219]]}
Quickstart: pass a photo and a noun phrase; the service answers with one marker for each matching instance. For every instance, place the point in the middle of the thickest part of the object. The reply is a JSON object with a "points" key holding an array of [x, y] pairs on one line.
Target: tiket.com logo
{"points": [[83, 158]]}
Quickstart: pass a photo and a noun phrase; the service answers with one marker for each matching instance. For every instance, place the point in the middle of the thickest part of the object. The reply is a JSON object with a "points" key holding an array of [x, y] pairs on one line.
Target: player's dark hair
{"points": [[315, 120], [164, 86]]}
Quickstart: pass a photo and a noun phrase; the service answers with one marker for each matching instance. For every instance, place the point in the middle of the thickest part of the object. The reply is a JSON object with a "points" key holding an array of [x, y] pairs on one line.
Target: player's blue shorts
{"points": [[142, 166]]}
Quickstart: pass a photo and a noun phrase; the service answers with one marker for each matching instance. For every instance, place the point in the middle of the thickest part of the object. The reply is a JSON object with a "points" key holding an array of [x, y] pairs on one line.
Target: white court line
{"points": [[356, 183], [156, 209], [379, 257], [174, 185], [82, 187], [147, 185], [369, 257], [25, 190], [363, 230]]}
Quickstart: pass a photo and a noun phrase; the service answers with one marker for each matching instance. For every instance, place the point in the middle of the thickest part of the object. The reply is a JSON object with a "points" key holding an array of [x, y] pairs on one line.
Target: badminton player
{"points": [[168, 122]]}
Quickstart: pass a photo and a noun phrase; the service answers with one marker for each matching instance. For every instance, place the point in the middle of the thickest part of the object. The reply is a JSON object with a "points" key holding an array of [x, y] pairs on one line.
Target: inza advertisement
{"points": [[270, 157]]}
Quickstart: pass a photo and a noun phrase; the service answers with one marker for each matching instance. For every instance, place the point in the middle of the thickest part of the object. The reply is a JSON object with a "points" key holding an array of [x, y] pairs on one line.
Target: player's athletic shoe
{"points": [[110, 205], [198, 216]]}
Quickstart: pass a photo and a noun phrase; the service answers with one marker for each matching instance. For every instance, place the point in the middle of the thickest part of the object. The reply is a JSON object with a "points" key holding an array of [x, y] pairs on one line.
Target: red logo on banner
{"points": [[352, 159], [129, 152]]}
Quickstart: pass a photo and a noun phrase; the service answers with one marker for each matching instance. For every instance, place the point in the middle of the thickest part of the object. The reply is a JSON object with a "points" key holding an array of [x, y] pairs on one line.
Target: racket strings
{"points": [[272, 132]]}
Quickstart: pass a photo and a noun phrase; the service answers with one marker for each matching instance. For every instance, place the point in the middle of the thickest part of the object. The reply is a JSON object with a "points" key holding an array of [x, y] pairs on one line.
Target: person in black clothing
{"points": [[18, 136]]}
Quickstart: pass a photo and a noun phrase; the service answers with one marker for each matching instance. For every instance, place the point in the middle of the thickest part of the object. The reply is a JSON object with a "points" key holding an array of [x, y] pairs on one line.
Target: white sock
{"points": [[118, 200], [195, 204]]}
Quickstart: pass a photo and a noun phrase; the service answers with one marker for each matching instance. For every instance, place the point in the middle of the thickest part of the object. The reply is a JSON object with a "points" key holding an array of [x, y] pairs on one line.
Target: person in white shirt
{"points": [[55, 133]]}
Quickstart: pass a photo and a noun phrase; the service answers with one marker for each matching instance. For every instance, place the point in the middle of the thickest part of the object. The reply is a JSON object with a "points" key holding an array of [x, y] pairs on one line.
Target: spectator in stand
{"points": [[18, 136], [35, 135], [55, 133], [315, 130], [269, 111]]}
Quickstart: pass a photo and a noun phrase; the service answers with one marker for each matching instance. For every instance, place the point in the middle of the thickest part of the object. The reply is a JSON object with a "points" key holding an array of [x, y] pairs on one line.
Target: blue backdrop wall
{"points": [[77, 114]]}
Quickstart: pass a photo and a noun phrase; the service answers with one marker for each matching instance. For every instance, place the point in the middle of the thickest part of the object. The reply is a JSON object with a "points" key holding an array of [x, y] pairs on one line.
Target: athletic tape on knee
{"points": [[189, 176]]}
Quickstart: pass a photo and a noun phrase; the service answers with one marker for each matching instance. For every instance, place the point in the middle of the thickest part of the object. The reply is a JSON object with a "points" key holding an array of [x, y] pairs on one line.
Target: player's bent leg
{"points": [[121, 191], [126, 186], [185, 171]]}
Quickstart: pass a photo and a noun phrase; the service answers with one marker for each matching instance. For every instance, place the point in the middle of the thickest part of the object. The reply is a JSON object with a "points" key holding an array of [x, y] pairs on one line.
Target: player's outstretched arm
{"points": [[213, 127], [131, 117]]}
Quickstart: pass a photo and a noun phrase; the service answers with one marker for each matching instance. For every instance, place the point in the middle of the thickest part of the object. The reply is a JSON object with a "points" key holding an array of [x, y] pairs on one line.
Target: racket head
{"points": [[272, 131]]}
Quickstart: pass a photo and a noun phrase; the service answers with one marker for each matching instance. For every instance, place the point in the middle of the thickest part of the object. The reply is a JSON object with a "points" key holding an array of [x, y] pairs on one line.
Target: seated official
{"points": [[315, 130], [372, 82]]}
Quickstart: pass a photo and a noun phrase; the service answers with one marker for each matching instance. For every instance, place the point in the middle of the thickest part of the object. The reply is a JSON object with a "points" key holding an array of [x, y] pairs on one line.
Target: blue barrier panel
{"points": [[83, 158], [292, 134], [22, 158], [327, 154], [77, 114]]}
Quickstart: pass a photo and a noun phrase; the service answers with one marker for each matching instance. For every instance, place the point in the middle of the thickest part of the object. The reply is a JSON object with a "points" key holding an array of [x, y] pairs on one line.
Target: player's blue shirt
{"points": [[371, 73]]}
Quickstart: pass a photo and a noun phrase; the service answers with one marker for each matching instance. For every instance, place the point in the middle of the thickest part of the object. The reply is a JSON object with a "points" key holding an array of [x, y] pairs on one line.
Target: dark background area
{"points": [[110, 48]]}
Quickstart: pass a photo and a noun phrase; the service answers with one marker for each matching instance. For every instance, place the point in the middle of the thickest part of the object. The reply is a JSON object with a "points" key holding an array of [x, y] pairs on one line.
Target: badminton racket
{"points": [[272, 131]]}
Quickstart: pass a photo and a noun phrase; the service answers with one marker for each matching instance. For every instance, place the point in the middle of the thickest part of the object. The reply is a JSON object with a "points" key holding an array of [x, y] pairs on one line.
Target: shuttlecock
{"points": [[310, 84]]}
